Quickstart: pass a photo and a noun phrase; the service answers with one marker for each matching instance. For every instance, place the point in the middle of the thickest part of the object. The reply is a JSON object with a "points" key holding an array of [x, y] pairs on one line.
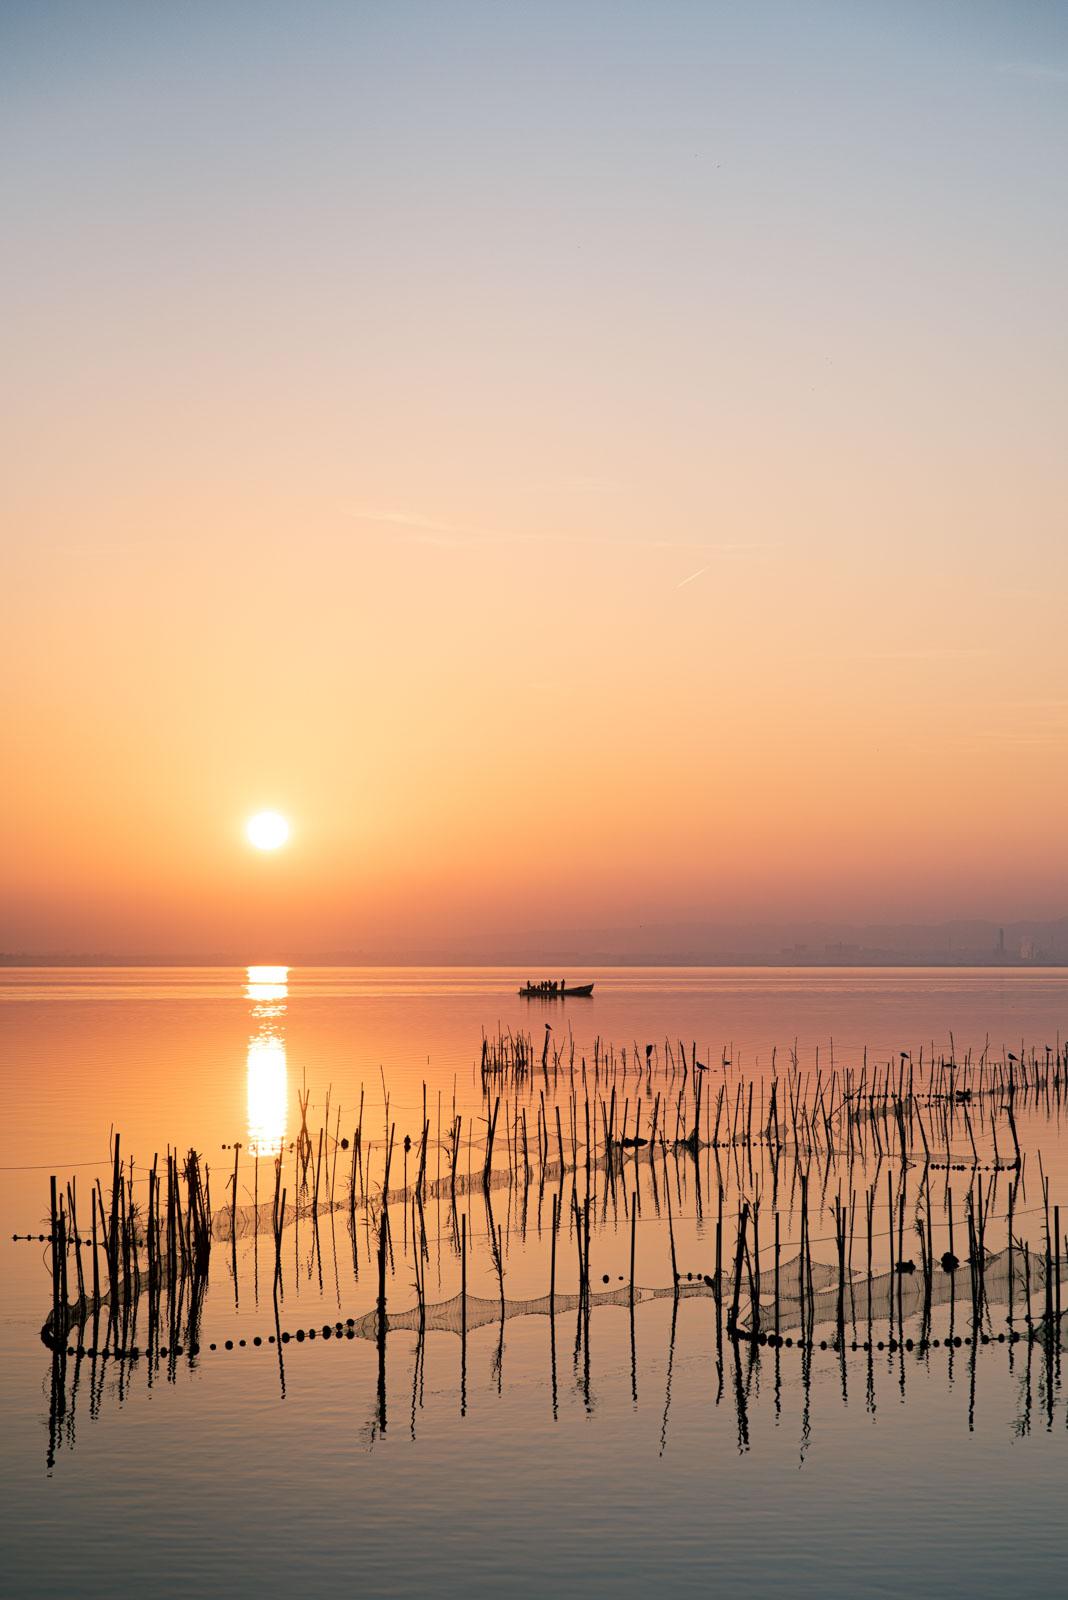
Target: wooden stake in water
{"points": [[776, 1274], [463, 1314], [53, 1234], [1055, 1333], [552, 1259]]}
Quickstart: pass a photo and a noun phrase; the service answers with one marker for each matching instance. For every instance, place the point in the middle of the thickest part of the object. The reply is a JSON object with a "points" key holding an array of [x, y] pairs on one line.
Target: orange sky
{"points": [[578, 477]]}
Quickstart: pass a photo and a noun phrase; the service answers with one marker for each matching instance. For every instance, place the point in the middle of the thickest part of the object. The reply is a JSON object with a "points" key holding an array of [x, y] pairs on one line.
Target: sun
{"points": [[267, 830]]}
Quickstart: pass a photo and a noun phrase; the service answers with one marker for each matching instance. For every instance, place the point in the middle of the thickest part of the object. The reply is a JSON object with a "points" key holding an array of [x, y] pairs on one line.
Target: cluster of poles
{"points": [[605, 1124], [159, 1247], [892, 1106], [596, 1117]]}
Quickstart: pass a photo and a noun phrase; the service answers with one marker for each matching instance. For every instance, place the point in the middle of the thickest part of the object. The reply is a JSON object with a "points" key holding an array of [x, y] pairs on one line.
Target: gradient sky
{"points": [[583, 463]]}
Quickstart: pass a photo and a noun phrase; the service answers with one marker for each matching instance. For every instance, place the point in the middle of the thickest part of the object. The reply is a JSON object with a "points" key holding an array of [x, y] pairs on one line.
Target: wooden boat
{"points": [[556, 991]]}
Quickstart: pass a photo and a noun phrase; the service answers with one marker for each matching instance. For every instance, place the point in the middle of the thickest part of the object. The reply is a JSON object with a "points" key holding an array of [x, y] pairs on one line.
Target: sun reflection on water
{"points": [[267, 983], [267, 1075]]}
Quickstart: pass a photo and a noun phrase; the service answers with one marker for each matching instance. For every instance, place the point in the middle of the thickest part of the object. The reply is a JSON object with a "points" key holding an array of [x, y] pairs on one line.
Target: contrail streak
{"points": [[692, 576]]}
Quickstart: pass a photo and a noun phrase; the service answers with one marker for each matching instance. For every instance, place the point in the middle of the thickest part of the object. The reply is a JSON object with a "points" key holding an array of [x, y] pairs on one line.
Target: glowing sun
{"points": [[267, 830]]}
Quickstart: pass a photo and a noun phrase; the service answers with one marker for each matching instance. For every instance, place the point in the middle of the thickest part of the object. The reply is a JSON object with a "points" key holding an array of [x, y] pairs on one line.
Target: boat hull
{"points": [[580, 991]]}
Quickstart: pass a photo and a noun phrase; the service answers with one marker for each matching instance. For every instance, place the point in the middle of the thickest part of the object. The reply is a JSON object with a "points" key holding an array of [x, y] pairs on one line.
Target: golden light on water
{"points": [[267, 830], [267, 984], [267, 1077], [267, 1096]]}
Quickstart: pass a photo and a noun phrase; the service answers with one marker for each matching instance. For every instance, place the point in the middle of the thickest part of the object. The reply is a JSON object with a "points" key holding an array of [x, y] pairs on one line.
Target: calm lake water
{"points": [[592, 1451]]}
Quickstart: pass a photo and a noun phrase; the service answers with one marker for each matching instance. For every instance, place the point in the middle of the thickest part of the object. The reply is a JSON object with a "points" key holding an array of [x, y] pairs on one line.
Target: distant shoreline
{"points": [[538, 964]]}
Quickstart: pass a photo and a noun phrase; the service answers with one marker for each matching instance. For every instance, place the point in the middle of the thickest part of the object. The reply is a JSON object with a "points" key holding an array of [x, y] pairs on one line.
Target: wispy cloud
{"points": [[418, 529], [1016, 736], [923, 654], [1035, 69], [1040, 722], [931, 653]]}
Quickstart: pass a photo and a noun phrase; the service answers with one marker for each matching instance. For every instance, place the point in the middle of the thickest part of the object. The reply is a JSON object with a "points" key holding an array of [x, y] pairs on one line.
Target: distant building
{"points": [[1001, 941]]}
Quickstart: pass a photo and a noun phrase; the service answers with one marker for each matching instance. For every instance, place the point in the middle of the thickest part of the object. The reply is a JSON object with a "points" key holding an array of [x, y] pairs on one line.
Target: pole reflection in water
{"points": [[267, 989]]}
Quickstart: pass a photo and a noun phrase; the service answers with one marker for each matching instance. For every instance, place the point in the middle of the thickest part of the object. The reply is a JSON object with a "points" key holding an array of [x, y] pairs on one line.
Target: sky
{"points": [[584, 464]]}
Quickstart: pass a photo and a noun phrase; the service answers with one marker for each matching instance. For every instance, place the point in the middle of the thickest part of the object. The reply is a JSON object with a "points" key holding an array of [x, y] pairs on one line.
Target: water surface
{"points": [[564, 1455]]}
